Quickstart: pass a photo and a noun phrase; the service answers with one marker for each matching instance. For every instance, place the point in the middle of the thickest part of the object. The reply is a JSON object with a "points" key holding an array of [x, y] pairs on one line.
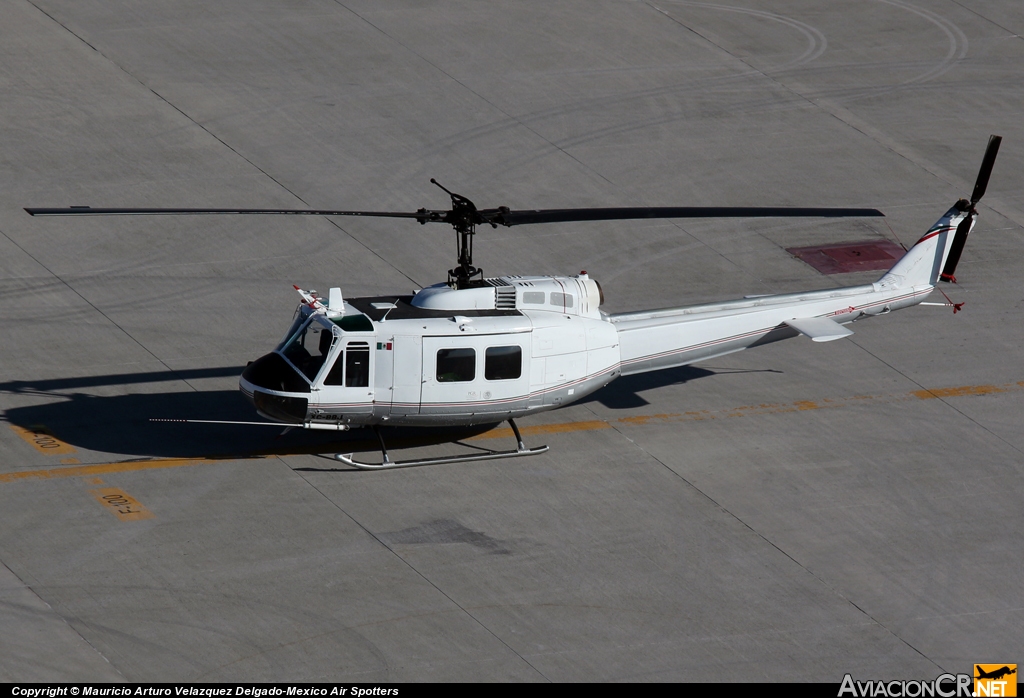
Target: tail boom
{"points": [[657, 339]]}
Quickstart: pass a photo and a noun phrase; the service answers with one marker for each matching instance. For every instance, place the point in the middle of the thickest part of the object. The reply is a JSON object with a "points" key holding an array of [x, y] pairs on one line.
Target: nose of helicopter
{"points": [[273, 373]]}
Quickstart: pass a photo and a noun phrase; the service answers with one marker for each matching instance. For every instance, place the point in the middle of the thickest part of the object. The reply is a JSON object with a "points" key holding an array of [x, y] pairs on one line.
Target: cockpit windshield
{"points": [[309, 347], [297, 319]]}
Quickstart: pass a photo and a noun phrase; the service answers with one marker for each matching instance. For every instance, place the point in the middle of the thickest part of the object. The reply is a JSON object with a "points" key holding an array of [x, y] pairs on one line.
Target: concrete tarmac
{"points": [[792, 513]]}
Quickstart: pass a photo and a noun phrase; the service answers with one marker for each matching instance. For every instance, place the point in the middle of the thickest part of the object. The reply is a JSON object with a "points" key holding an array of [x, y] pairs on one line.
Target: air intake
{"points": [[504, 294], [505, 298]]}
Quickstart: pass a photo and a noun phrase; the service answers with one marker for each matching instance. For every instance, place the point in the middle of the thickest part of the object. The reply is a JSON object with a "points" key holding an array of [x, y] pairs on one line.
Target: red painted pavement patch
{"points": [[847, 257]]}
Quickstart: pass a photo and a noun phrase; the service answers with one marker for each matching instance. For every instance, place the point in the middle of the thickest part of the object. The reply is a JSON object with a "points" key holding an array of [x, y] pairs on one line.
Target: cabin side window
{"points": [[533, 297], [352, 367], [503, 363], [456, 365], [561, 300]]}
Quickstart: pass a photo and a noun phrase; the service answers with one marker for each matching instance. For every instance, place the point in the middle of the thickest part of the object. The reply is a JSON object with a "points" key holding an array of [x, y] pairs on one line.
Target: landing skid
{"points": [[388, 464]]}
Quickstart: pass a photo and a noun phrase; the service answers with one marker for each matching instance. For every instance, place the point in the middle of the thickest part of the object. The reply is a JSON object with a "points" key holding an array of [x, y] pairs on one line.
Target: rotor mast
{"points": [[464, 217]]}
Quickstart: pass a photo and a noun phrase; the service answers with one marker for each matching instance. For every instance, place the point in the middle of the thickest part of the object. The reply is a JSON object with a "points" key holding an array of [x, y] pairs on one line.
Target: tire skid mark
{"points": [[816, 41], [958, 45], [816, 46], [441, 146], [957, 51]]}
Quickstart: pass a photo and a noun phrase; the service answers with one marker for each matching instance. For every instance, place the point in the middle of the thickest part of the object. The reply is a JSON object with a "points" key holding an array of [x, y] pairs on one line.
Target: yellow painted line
{"points": [[42, 439], [559, 428], [544, 429], [751, 410], [103, 468], [121, 504], [966, 390]]}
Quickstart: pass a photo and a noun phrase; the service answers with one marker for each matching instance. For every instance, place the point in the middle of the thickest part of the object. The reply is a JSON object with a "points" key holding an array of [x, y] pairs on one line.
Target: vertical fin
{"points": [[935, 256]]}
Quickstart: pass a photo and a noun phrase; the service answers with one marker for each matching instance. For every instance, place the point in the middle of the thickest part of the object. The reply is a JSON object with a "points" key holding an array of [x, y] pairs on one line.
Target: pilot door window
{"points": [[456, 365], [309, 348], [352, 367]]}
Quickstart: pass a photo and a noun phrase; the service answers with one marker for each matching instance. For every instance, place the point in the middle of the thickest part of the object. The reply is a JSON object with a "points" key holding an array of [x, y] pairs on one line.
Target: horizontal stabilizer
{"points": [[820, 329]]}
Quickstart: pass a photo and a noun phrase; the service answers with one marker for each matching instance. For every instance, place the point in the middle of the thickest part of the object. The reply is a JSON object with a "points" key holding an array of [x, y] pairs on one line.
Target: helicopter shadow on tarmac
{"points": [[121, 424]]}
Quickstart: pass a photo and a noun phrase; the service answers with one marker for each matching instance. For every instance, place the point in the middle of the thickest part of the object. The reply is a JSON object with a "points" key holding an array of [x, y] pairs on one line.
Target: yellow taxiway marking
{"points": [[536, 429], [103, 468], [750, 410], [558, 428], [966, 390], [121, 505], [42, 439]]}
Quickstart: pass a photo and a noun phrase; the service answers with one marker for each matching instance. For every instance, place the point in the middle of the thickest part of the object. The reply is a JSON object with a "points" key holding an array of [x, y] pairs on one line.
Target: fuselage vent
{"points": [[505, 297]]}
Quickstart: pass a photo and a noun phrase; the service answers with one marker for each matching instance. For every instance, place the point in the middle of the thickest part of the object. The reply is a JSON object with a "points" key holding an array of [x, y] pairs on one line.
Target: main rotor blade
{"points": [[423, 215], [986, 168], [496, 216], [565, 215]]}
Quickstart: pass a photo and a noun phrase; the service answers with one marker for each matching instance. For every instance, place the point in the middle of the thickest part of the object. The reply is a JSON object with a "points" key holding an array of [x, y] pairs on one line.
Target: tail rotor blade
{"points": [[986, 168], [957, 248]]}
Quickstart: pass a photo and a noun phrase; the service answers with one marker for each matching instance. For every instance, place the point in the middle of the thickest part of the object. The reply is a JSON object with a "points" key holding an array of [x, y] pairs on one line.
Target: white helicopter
{"points": [[477, 350]]}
